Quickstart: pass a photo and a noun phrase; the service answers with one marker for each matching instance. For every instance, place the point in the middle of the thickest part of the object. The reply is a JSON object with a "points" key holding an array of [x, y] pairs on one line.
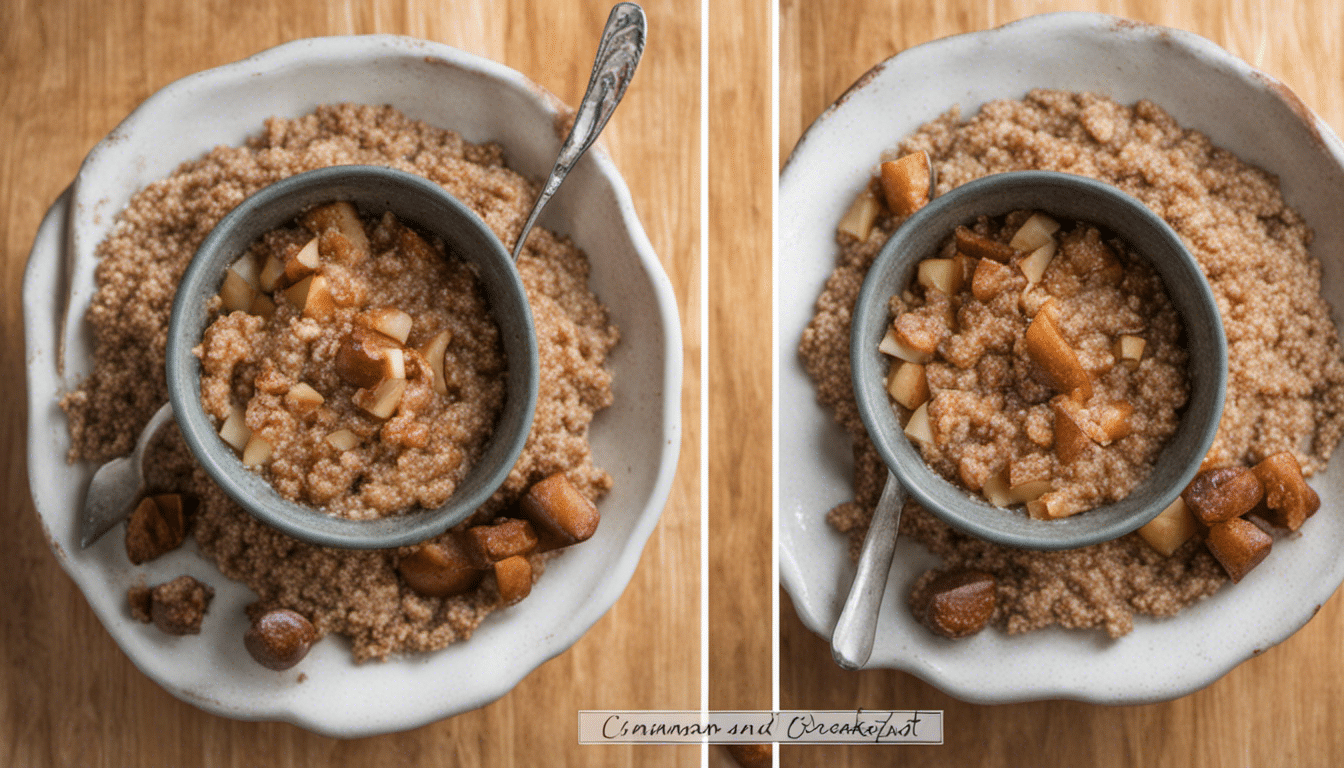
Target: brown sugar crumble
{"points": [[357, 594], [1286, 378]]}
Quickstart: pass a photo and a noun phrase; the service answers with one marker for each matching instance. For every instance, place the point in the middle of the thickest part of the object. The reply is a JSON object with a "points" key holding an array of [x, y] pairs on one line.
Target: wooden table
{"points": [[1279, 709], [70, 70]]}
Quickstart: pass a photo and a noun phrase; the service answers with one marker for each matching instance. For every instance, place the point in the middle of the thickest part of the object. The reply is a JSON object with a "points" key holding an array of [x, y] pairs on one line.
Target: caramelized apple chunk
{"points": [[559, 512], [1288, 497], [1217, 495], [1239, 546]]}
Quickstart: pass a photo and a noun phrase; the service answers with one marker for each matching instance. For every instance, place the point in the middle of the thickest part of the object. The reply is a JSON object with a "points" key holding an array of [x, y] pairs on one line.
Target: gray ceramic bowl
{"points": [[372, 190], [1062, 196]]}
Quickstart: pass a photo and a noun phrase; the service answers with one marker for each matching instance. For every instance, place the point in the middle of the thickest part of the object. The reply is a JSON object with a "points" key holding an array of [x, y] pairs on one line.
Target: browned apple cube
{"points": [[1071, 438], [361, 359], [907, 182], [858, 220], [340, 225], [959, 603], [941, 275], [303, 263], [1171, 528], [908, 385], [439, 569], [560, 514], [1239, 546], [505, 537], [381, 401], [514, 576], [1289, 499], [980, 247], [991, 279], [1056, 359], [1221, 494]]}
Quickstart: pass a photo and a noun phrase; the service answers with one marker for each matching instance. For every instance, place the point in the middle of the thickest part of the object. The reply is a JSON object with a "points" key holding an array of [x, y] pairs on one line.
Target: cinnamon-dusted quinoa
{"points": [[1286, 377], [352, 593], [290, 372]]}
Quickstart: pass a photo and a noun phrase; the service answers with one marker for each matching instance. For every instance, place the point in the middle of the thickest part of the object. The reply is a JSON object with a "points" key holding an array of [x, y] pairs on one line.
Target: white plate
{"points": [[1203, 87], [637, 439]]}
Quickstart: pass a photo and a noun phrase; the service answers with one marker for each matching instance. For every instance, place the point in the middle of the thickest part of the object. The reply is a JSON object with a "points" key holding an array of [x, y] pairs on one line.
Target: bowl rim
{"points": [[373, 188], [994, 195], [50, 333], [814, 569]]}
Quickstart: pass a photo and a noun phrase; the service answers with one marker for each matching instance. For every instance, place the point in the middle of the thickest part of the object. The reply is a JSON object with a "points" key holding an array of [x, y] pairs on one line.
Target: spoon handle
{"points": [[117, 485], [852, 641], [618, 54]]}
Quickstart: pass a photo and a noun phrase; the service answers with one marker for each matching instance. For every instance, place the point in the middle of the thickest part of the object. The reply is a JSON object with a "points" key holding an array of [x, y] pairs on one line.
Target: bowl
{"points": [[373, 190], [637, 439], [1148, 236], [1203, 87]]}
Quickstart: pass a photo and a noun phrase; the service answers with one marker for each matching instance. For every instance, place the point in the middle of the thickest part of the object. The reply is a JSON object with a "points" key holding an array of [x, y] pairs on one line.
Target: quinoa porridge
{"points": [[1286, 377], [355, 365], [363, 595], [1037, 365]]}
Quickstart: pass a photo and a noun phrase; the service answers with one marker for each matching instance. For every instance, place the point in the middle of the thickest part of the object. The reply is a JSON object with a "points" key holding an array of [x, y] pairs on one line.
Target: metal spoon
{"points": [[852, 641], [618, 54], [118, 483]]}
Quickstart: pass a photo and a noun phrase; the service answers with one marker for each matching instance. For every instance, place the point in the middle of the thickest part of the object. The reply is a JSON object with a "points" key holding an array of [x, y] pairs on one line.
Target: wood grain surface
{"points": [[1279, 709], [70, 70]]}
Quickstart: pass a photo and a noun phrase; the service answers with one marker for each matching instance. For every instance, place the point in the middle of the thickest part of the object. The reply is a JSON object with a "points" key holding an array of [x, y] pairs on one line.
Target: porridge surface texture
{"points": [[351, 593], [415, 458], [1286, 376]]}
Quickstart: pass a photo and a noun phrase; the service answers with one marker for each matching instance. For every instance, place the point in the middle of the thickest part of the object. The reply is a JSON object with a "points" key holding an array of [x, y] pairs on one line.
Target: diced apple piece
{"points": [[995, 489], [1033, 266], [394, 363], [908, 385], [990, 279], [559, 512], [504, 538], [919, 332], [1222, 494], [302, 264], [343, 439], [858, 220], [433, 352], [235, 293], [439, 569], [257, 451], [389, 321], [1129, 350], [235, 431], [1171, 528], [978, 246], [1035, 232], [514, 577], [342, 217], [302, 399], [1047, 348], [262, 306], [919, 428], [940, 274], [892, 345], [1048, 507], [312, 296], [1029, 491], [361, 359], [1113, 419], [1289, 499], [907, 183], [1071, 440], [271, 273], [381, 401], [1239, 545]]}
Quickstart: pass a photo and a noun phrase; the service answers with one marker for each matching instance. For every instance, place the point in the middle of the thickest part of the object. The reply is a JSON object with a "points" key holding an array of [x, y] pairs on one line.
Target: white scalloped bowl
{"points": [[637, 439], [1203, 87]]}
